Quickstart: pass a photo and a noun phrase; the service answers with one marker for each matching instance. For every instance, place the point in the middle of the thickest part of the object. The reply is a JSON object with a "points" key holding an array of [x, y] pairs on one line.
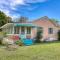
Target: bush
{"points": [[38, 36], [0, 42], [59, 35], [19, 42], [3, 34]]}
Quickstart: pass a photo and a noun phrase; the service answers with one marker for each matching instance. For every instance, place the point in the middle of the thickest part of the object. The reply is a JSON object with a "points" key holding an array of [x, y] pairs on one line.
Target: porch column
{"points": [[25, 32], [20, 31], [13, 30], [31, 32]]}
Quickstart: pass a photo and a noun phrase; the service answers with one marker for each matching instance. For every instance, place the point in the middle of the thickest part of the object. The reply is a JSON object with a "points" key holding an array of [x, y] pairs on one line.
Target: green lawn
{"points": [[48, 51]]}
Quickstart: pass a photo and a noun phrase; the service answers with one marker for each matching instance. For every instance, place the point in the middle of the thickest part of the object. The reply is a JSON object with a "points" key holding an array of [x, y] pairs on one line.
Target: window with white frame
{"points": [[28, 30], [16, 30], [22, 30], [50, 30]]}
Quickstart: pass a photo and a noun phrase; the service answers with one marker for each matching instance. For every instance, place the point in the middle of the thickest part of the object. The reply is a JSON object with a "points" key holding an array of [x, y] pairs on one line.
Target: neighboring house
{"points": [[29, 30]]}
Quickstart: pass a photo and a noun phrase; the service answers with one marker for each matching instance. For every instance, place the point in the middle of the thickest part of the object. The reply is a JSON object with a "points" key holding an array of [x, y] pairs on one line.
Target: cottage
{"points": [[29, 30]]}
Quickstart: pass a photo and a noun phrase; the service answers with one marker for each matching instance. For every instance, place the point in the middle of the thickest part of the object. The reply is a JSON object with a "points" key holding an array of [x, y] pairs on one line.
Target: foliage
{"points": [[59, 35], [5, 34], [54, 20], [19, 42], [0, 41], [1, 37], [22, 19], [38, 36], [4, 19], [9, 19]]}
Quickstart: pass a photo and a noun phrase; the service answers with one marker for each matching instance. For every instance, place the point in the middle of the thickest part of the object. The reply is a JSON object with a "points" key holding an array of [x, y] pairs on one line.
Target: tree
{"points": [[4, 19], [54, 20], [22, 19], [9, 19]]}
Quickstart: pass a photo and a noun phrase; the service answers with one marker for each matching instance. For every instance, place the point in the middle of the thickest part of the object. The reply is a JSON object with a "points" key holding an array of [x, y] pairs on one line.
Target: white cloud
{"points": [[23, 2], [7, 12], [35, 1], [7, 5], [16, 2], [19, 2], [16, 16]]}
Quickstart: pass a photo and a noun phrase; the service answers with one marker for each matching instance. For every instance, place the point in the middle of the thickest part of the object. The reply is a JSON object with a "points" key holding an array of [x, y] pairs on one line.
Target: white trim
{"points": [[13, 34], [25, 32], [20, 30], [31, 32], [13, 30]]}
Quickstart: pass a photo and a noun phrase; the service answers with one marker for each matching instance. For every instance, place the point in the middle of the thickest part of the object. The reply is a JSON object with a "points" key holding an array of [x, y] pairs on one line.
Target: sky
{"points": [[33, 9]]}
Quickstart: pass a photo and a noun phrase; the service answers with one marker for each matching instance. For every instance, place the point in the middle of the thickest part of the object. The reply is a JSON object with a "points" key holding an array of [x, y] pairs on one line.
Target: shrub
{"points": [[59, 35], [19, 42], [0, 42], [5, 34], [1, 37], [38, 36]]}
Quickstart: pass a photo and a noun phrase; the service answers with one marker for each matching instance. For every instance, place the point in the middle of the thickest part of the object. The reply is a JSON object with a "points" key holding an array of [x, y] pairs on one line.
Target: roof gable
{"points": [[45, 20]]}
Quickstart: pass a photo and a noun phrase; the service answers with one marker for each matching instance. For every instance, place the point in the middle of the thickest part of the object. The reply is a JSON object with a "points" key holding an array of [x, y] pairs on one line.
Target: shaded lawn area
{"points": [[48, 51]]}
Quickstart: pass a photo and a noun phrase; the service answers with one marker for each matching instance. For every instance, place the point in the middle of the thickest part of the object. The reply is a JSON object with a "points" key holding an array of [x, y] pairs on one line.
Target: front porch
{"points": [[23, 30]]}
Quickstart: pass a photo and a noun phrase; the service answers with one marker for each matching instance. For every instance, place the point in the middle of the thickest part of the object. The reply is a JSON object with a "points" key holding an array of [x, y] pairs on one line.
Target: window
{"points": [[50, 30], [28, 30], [16, 30], [22, 30]]}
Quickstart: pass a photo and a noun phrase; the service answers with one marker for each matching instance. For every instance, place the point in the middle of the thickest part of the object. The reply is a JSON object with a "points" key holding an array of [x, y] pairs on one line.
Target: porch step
{"points": [[28, 41]]}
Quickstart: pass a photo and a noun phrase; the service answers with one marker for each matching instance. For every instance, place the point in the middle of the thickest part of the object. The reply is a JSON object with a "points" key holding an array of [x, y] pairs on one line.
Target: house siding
{"points": [[47, 24], [33, 32]]}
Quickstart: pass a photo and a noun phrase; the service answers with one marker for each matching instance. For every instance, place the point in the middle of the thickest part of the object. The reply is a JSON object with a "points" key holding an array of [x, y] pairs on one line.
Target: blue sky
{"points": [[32, 9]]}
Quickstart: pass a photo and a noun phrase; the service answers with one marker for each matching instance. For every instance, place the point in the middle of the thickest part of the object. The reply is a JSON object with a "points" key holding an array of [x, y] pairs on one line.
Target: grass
{"points": [[48, 51]]}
